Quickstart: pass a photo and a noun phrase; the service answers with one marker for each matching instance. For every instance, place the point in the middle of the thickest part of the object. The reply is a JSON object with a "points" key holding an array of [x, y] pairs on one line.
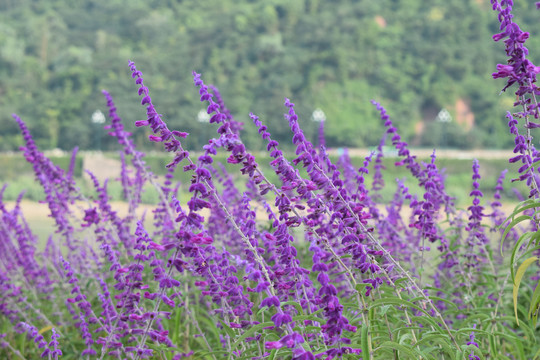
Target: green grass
{"points": [[18, 175]]}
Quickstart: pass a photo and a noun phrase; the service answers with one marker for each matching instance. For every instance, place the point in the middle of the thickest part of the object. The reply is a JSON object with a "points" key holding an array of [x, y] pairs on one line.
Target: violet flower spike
{"points": [[155, 122]]}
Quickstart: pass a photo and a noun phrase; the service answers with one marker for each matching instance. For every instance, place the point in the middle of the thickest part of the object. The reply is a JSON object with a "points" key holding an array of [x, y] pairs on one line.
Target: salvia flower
{"points": [[519, 70], [33, 334], [435, 196], [477, 239], [154, 121], [526, 154], [86, 314], [53, 345], [471, 341]]}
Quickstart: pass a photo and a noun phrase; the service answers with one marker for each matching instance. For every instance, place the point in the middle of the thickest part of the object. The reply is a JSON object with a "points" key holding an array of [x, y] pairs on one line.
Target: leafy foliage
{"points": [[415, 56]]}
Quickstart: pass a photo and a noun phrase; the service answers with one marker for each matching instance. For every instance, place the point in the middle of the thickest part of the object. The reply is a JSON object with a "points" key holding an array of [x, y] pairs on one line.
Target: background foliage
{"points": [[416, 56]]}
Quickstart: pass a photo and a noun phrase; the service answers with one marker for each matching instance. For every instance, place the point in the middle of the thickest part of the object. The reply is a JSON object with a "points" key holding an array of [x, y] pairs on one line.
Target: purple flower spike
{"points": [[476, 239], [155, 122], [429, 177], [519, 70], [53, 345], [474, 343], [33, 334]]}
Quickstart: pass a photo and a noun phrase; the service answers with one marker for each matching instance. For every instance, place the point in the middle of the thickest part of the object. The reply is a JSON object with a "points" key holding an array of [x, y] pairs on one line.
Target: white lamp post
{"points": [[98, 119], [318, 115], [443, 117], [203, 118]]}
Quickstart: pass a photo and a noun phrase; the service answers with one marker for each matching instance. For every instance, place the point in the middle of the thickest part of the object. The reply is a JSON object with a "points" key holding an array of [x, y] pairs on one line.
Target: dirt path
{"points": [[101, 166]]}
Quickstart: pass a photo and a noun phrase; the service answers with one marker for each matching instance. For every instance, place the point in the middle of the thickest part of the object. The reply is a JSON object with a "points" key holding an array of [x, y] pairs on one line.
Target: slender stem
{"points": [[196, 323], [260, 261], [396, 264], [156, 308], [15, 351]]}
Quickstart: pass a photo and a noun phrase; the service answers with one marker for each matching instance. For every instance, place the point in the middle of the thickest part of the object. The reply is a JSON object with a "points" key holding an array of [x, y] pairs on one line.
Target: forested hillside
{"points": [[415, 56]]}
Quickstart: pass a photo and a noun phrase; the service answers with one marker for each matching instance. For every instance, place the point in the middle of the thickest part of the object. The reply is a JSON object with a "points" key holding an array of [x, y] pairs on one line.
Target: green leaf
{"points": [[364, 340], [405, 338], [312, 329], [160, 347], [210, 326], [517, 246], [296, 305], [467, 349], [397, 301], [521, 351], [309, 317], [273, 354], [412, 353], [200, 353], [509, 335], [493, 345], [407, 327], [428, 321], [517, 281], [537, 355], [228, 329], [467, 331], [176, 327], [535, 302], [448, 302], [522, 206], [399, 281], [361, 287], [384, 309], [251, 331], [511, 226], [440, 340], [261, 310]]}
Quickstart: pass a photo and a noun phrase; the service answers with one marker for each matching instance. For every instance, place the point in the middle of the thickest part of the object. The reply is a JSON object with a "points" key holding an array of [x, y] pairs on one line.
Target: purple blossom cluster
{"points": [[519, 71], [425, 211], [477, 239]]}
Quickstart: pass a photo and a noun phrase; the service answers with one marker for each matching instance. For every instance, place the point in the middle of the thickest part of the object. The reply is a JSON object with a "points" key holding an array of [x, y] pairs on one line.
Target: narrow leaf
{"points": [[535, 302], [522, 239], [251, 331], [412, 353], [511, 226], [517, 281]]}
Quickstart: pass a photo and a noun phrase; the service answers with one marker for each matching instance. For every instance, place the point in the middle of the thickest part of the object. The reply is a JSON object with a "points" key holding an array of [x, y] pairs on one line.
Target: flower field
{"points": [[308, 262]]}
